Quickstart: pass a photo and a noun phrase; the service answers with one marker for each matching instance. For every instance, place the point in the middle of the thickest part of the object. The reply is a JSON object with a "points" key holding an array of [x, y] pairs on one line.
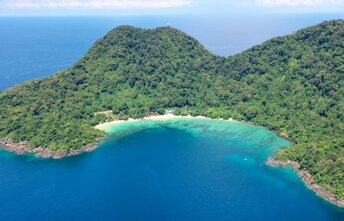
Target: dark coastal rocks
{"points": [[274, 162], [307, 178], [22, 148], [18, 148]]}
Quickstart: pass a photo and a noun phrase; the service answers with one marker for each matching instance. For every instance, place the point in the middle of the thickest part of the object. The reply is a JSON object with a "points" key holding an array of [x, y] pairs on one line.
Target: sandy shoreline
{"points": [[39, 152], [307, 179], [108, 125]]}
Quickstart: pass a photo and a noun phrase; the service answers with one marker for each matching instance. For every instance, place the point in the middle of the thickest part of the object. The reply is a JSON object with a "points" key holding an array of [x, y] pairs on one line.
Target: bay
{"points": [[194, 169]]}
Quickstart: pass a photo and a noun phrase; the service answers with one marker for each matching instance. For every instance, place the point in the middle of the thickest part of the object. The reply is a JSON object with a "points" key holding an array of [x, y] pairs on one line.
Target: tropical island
{"points": [[292, 84]]}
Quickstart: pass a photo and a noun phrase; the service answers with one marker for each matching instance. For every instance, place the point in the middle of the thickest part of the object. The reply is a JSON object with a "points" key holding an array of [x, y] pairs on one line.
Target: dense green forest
{"points": [[293, 84]]}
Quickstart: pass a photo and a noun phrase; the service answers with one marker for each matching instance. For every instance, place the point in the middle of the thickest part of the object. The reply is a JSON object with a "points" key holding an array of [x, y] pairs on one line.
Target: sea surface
{"points": [[185, 169], [35, 47], [182, 169]]}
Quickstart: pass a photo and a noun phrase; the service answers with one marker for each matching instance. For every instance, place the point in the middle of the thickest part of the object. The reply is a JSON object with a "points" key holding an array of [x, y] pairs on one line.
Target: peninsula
{"points": [[292, 84]]}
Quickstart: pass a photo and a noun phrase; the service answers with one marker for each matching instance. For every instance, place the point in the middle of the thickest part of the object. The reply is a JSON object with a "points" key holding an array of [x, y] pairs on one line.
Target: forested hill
{"points": [[293, 84]]}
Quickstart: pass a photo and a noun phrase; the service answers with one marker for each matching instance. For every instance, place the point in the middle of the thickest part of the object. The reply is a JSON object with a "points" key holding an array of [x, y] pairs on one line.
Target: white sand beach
{"points": [[108, 125]]}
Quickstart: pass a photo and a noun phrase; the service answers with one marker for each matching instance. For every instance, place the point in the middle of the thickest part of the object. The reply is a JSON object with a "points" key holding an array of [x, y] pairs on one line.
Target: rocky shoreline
{"points": [[39, 152], [307, 178]]}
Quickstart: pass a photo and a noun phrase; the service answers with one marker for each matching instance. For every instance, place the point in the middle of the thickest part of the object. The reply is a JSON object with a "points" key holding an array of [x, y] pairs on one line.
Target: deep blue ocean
{"points": [[174, 170]]}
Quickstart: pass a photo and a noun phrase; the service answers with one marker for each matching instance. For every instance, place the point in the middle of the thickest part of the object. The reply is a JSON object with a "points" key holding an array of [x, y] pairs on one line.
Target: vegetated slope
{"points": [[131, 71], [293, 84], [297, 87]]}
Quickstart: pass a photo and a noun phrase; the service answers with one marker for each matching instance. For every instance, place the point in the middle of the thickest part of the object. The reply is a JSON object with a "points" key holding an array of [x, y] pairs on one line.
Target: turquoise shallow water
{"points": [[231, 131], [189, 169]]}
